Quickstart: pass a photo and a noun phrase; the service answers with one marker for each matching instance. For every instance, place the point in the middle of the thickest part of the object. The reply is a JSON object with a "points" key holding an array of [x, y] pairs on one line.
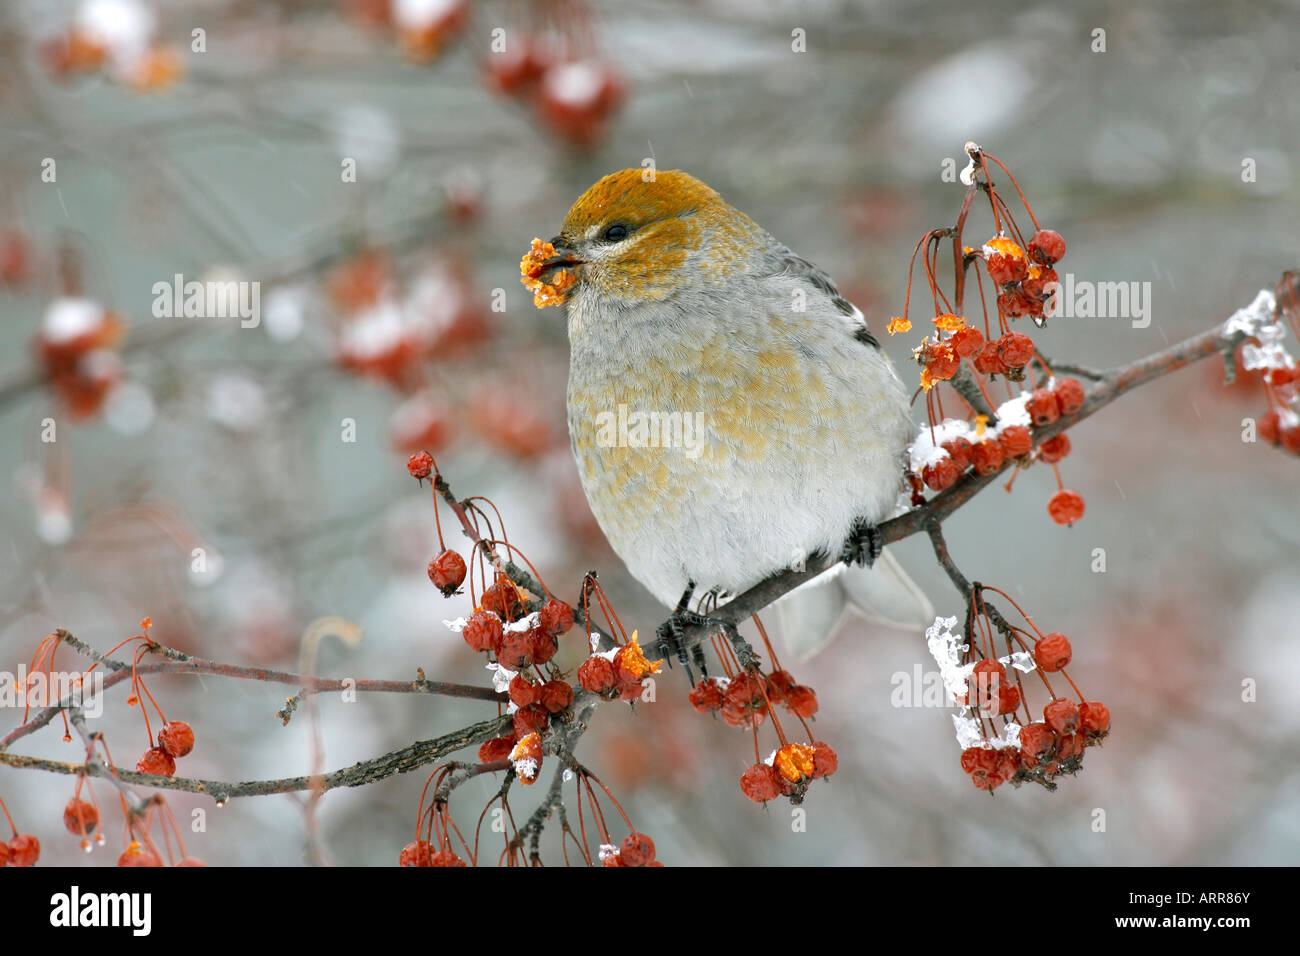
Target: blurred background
{"points": [[380, 168]]}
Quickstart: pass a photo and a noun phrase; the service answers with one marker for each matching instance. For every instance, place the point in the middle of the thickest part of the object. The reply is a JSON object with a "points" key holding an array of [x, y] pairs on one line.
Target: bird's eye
{"points": [[615, 233]]}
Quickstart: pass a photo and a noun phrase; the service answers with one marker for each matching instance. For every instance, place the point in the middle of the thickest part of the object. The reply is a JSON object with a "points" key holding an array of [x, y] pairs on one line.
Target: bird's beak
{"points": [[565, 257]]}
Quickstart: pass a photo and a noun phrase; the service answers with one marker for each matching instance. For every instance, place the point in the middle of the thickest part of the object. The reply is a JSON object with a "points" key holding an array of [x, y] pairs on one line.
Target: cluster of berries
{"points": [[23, 849], [175, 739], [637, 850], [77, 345], [788, 771], [1026, 277], [745, 700], [1266, 353]]}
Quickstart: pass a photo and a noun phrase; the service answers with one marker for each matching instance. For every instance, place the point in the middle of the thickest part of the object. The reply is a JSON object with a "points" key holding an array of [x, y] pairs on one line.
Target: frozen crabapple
{"points": [[1016, 441], [556, 617], [1062, 715], [1052, 652], [1008, 699], [176, 738], [1015, 349], [779, 685], [523, 691], [1036, 742], [1005, 260], [138, 855], [967, 341], [1047, 246], [447, 572], [597, 675], [987, 456], [556, 696], [638, 850], [959, 450], [1014, 303], [1070, 395], [989, 360], [484, 631], [530, 720], [761, 783], [825, 760], [1054, 449], [498, 748], [420, 465], [156, 761], [940, 474], [1094, 718], [1042, 407], [416, 853], [516, 649], [80, 817], [503, 597], [1066, 506], [24, 850], [706, 696], [802, 701]]}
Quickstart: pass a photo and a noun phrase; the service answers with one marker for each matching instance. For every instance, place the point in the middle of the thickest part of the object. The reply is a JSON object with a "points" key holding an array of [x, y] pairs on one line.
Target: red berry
{"points": [[1062, 715], [1008, 699], [987, 456], [80, 817], [176, 738], [484, 631], [416, 853], [516, 651], [156, 761], [638, 850], [1070, 745], [530, 720], [1015, 441], [989, 360], [542, 644], [986, 773], [556, 617], [779, 685], [743, 702], [761, 783], [1042, 407], [985, 683], [420, 465], [1014, 303], [597, 675], [967, 341], [1270, 427], [802, 701], [1015, 349], [940, 474], [959, 450], [1054, 449], [498, 748], [556, 696], [137, 855], [1052, 652], [825, 761], [1035, 286], [24, 850], [1069, 395], [503, 598], [1005, 260], [1066, 506], [1036, 741], [523, 691], [1094, 717], [447, 572], [707, 696], [1047, 246], [941, 363], [445, 858]]}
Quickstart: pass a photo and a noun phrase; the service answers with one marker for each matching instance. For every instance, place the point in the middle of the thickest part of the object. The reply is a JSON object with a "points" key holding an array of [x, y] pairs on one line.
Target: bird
{"points": [[730, 412]]}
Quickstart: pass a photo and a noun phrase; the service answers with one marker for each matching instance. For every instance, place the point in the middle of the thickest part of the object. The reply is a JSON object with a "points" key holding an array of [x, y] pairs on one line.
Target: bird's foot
{"points": [[671, 635], [863, 544]]}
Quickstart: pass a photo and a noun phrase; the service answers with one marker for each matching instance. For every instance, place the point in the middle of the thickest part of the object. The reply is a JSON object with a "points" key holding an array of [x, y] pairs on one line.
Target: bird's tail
{"points": [[884, 594]]}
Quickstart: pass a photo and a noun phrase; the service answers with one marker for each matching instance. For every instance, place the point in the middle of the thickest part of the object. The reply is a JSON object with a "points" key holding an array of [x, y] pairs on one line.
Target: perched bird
{"points": [[730, 412]]}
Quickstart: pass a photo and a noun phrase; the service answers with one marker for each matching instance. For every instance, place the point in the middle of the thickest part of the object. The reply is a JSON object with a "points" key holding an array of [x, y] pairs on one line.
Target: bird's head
{"points": [[639, 235]]}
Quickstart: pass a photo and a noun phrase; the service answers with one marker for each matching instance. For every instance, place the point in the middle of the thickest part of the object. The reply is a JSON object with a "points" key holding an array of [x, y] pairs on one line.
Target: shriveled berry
{"points": [[1014, 303], [744, 700], [156, 761], [1005, 260], [542, 643], [967, 341], [176, 737], [556, 696], [1047, 246], [1069, 395], [987, 456], [1036, 283], [1036, 742], [484, 631], [1070, 745], [985, 772], [530, 720], [825, 761], [447, 572], [1015, 441], [802, 701], [503, 597], [779, 684], [516, 650], [420, 465], [1094, 717], [1066, 506], [523, 691], [1062, 715], [1016, 349], [1052, 652], [416, 853], [707, 696], [138, 855], [24, 850], [958, 450], [556, 617], [989, 360], [80, 817], [597, 675], [498, 748], [1042, 407], [638, 850], [761, 783], [446, 858], [1054, 449], [1008, 699], [940, 474]]}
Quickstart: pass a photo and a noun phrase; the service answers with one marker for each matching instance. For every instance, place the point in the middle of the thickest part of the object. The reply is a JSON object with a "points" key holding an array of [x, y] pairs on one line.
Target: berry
{"points": [[542, 644], [516, 650], [530, 720], [1071, 745], [744, 704], [447, 857], [941, 362], [987, 457], [1015, 349], [1005, 260], [638, 850], [1047, 246], [80, 817], [420, 465], [1094, 718], [1062, 715], [523, 691], [802, 701], [556, 696], [484, 631], [985, 763], [1270, 427], [597, 675], [967, 341], [989, 360], [416, 853], [1069, 395], [760, 783], [1008, 699], [985, 682], [24, 850], [1042, 407], [940, 474], [1015, 441], [959, 450], [556, 617], [1040, 277], [156, 761], [825, 762], [1054, 449], [1014, 303], [1066, 506], [794, 762], [447, 572], [1036, 741], [707, 696], [137, 855], [779, 685], [503, 598], [176, 738], [498, 748], [1052, 652]]}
